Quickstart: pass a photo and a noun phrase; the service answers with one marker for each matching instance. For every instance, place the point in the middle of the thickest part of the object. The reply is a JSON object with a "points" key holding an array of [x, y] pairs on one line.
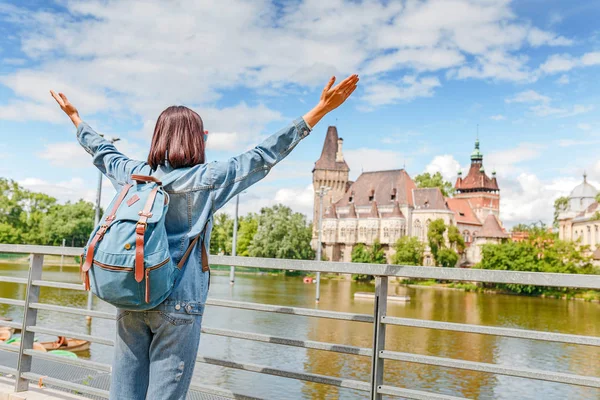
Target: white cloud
{"points": [[498, 117], [446, 165], [528, 96], [71, 190], [542, 107], [584, 126], [72, 155], [367, 159], [563, 80], [544, 110], [505, 162], [410, 88], [94, 52], [556, 63], [234, 128]]}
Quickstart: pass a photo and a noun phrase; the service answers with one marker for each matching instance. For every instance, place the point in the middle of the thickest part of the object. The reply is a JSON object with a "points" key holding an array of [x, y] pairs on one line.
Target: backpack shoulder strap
{"points": [[204, 255]]}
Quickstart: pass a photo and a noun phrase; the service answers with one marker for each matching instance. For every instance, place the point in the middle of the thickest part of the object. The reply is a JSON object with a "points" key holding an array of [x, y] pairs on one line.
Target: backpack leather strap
{"points": [[187, 253], [145, 178], [89, 258], [140, 230]]}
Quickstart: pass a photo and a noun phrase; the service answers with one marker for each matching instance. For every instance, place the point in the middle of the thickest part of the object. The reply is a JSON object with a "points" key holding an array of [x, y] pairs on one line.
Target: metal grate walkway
{"points": [[82, 376]]}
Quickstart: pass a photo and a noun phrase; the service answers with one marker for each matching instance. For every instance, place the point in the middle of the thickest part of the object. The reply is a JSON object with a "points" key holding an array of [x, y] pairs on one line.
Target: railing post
{"points": [[380, 309], [29, 319]]}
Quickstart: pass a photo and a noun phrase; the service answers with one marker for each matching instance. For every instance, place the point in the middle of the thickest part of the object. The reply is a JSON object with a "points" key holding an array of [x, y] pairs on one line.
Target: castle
{"points": [[387, 205], [579, 221]]}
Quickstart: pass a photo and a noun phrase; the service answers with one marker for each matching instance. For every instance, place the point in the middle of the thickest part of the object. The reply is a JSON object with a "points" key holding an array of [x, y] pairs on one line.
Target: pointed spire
{"points": [[329, 154], [374, 213], [396, 213], [331, 211], [476, 155], [585, 176], [351, 211]]}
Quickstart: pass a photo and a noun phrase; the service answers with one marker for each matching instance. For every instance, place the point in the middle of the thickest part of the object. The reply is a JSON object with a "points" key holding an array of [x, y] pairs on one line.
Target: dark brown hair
{"points": [[178, 135]]}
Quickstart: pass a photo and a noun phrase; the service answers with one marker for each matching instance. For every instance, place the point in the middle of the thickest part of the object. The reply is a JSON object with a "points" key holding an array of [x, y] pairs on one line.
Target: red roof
{"points": [[463, 211], [476, 179], [492, 229], [380, 185]]}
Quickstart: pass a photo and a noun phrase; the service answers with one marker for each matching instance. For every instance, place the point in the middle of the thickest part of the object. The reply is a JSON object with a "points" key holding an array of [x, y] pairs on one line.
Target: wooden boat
{"points": [[36, 346], [5, 334], [68, 344]]}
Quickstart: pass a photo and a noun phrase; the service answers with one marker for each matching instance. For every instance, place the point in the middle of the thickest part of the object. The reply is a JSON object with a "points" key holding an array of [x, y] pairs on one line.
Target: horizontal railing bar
{"points": [[582, 281], [9, 347], [72, 310], [529, 373], [307, 344], [65, 384], [35, 249], [221, 392], [58, 285], [494, 330], [12, 279], [78, 362], [8, 370], [11, 324], [451, 274], [307, 312], [415, 394], [12, 302], [76, 335], [304, 376]]}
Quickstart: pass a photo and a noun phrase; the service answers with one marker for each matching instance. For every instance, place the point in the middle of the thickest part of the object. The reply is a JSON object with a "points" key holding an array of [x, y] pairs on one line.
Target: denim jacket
{"points": [[195, 196]]}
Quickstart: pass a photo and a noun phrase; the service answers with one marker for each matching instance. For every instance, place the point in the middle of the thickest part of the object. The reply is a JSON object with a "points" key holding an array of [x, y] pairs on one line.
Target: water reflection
{"points": [[338, 295]]}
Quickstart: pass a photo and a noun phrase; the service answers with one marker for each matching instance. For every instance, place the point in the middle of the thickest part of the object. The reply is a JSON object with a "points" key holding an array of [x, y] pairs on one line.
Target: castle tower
{"points": [[331, 171], [482, 191]]}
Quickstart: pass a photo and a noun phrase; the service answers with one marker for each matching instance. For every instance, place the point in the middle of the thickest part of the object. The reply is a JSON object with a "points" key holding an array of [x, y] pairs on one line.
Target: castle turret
{"points": [[330, 171]]}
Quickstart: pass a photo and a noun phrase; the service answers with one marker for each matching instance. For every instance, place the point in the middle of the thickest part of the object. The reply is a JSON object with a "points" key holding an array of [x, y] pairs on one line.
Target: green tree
{"points": [[370, 255], [446, 258], [560, 205], [71, 221], [456, 240], [541, 252], [435, 236], [409, 251], [248, 226], [443, 255], [427, 180], [282, 233], [222, 234]]}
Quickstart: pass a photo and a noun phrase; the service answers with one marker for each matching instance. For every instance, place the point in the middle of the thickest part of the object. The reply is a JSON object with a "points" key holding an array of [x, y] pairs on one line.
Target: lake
{"points": [[553, 315]]}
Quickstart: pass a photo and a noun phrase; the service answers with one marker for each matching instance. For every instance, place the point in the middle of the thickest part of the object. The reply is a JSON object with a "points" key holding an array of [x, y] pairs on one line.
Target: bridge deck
{"points": [[68, 373]]}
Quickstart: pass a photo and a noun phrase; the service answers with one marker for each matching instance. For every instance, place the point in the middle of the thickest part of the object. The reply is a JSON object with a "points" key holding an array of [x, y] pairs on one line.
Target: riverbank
{"points": [[591, 296]]}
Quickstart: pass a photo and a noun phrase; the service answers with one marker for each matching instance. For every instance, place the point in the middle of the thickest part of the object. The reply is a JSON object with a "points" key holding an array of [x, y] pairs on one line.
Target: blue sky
{"points": [[526, 72]]}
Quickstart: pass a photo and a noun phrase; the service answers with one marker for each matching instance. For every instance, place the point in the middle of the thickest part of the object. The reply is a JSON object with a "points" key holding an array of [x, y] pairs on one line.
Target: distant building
{"points": [[387, 205], [578, 223]]}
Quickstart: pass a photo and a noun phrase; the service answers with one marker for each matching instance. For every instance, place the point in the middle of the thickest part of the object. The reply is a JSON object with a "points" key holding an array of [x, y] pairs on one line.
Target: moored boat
{"points": [[68, 344]]}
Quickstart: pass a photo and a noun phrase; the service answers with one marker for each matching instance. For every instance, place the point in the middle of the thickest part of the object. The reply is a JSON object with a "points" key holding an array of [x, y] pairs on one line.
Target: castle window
{"points": [[386, 232], [371, 195], [393, 197], [351, 198]]}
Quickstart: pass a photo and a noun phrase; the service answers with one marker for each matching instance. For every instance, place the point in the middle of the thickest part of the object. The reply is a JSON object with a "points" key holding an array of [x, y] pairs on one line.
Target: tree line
{"points": [[28, 217]]}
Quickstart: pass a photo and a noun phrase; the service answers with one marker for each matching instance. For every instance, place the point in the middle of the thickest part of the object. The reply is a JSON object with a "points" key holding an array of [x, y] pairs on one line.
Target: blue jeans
{"points": [[155, 354]]}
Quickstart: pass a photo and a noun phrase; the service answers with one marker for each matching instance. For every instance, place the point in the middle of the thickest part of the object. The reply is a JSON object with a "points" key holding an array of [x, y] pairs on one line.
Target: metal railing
{"points": [[375, 387]]}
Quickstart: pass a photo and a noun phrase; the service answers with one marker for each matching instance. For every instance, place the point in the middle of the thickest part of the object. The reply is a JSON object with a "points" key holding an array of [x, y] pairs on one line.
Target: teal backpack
{"points": [[126, 261]]}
